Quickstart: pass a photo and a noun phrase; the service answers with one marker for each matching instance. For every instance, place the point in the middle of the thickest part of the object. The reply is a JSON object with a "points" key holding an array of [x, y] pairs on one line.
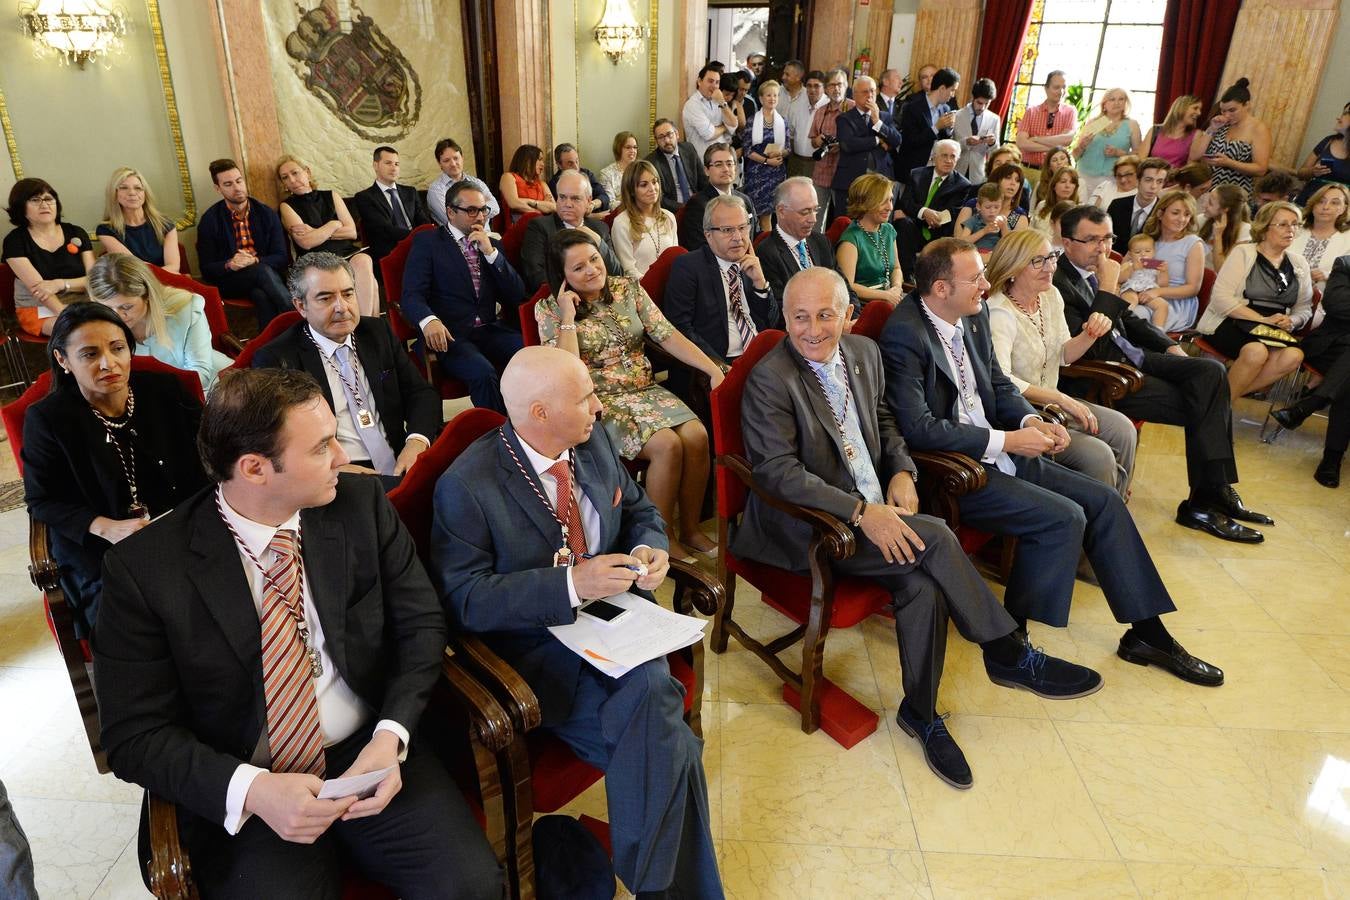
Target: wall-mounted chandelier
{"points": [[618, 33], [75, 31]]}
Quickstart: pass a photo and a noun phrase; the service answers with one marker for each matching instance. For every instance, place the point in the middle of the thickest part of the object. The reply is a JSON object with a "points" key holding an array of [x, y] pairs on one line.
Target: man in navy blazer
{"points": [[866, 139], [498, 565], [945, 387], [925, 118], [920, 219], [461, 291], [241, 246], [699, 291]]}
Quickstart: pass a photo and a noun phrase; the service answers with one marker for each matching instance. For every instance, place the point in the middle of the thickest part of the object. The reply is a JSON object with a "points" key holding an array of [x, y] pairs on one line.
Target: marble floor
{"points": [[1150, 788]]}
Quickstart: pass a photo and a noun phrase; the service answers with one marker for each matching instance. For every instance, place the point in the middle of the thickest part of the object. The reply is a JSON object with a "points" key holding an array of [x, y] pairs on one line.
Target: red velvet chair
{"points": [[612, 214], [1202, 297], [221, 337], [761, 238], [547, 775], [529, 325], [7, 301], [819, 601], [836, 229], [391, 268], [872, 318], [514, 239], [654, 282], [275, 327], [13, 348]]}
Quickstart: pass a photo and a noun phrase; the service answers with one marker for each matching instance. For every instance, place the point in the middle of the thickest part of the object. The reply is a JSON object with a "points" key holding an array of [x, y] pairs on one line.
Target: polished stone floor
{"points": [[1150, 788]]}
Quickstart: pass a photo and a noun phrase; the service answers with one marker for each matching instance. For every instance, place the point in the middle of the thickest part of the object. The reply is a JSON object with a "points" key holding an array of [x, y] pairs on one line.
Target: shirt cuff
{"points": [[995, 445], [422, 325], [415, 436], [876, 126], [1031, 417], [572, 590], [397, 731], [240, 782], [491, 258]]}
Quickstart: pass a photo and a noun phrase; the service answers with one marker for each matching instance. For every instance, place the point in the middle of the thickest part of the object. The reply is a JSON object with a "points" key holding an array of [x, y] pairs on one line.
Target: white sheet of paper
{"points": [[944, 216], [359, 786], [617, 648]]}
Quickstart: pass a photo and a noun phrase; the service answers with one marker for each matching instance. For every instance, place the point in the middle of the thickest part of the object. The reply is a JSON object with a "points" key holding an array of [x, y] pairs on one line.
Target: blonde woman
{"points": [[1172, 225], [132, 223], [866, 255], [767, 141], [1262, 295], [1171, 139], [1325, 235], [318, 220], [1105, 138], [625, 153], [642, 230], [169, 323], [1031, 341]]}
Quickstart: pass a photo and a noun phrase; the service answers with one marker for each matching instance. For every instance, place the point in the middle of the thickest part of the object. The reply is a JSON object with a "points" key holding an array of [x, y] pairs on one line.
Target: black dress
{"points": [[316, 209], [72, 474], [1269, 291]]}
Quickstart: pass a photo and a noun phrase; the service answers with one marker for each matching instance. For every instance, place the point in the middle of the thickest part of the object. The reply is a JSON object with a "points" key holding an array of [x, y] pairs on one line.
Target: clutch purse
{"points": [[1272, 336]]}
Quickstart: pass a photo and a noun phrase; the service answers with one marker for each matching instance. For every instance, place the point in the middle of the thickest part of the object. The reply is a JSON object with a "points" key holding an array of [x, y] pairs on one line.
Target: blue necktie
{"points": [[381, 457], [801, 255], [681, 182], [400, 217], [1132, 353]]}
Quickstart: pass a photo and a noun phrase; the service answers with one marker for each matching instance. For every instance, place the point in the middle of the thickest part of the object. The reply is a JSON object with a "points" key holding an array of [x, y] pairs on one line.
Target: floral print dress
{"points": [[609, 336]]}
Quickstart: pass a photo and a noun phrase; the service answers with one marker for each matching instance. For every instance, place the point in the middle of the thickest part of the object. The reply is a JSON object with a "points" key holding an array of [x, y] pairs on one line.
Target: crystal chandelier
{"points": [[75, 31], [618, 33]]}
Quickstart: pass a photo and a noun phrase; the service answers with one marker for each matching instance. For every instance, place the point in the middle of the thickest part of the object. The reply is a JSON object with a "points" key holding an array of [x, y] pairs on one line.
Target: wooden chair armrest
{"points": [[490, 722], [1112, 381], [506, 685], [694, 585], [233, 346], [835, 536], [953, 473], [42, 569], [169, 870], [1053, 412]]}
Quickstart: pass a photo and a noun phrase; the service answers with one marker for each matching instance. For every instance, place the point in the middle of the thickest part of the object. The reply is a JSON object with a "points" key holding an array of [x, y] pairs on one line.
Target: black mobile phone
{"points": [[603, 610]]}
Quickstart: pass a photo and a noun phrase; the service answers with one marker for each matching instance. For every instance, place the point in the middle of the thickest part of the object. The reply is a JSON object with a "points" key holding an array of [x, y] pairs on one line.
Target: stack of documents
{"points": [[648, 632]]}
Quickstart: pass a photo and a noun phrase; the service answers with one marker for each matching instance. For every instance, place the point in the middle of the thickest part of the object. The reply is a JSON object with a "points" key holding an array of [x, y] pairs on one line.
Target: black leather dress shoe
{"points": [[939, 749], [1216, 523], [1328, 472], [1132, 649], [1231, 506]]}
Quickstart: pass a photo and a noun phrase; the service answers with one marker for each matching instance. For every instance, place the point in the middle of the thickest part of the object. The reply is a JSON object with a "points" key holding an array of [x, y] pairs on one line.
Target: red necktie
{"points": [[293, 732], [568, 509]]}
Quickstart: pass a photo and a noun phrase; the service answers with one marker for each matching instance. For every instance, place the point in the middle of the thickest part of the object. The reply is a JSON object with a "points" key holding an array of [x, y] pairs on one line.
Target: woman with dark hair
{"points": [[49, 258], [737, 102], [318, 221], [1227, 224], [1236, 143], [1012, 186], [603, 319], [1329, 161], [1196, 179], [523, 187], [1171, 140], [106, 451], [1325, 235]]}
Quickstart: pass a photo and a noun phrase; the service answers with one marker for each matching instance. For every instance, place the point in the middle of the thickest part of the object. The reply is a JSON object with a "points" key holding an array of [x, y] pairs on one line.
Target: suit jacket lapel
{"points": [[979, 367], [218, 574], [522, 489], [597, 490], [324, 549], [815, 398], [939, 352], [313, 363]]}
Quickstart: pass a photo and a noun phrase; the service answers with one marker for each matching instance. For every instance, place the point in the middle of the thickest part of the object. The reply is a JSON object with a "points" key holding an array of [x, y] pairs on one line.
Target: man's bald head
{"points": [[573, 181], [549, 398], [817, 281], [533, 376]]}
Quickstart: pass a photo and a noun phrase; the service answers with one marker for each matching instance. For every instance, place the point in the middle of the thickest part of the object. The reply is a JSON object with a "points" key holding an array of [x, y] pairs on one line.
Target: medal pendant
{"points": [[138, 511], [315, 664], [563, 557], [364, 418], [849, 452]]}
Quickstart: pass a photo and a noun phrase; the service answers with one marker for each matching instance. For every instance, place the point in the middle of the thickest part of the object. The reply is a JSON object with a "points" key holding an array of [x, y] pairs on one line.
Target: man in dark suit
{"points": [[461, 291], [566, 158], [719, 167], [1327, 349], [678, 165], [718, 297], [387, 210], [818, 433], [1128, 214], [946, 390], [927, 117], [1178, 389], [573, 196], [866, 139], [501, 565], [387, 414], [794, 244], [241, 245], [933, 193], [236, 670]]}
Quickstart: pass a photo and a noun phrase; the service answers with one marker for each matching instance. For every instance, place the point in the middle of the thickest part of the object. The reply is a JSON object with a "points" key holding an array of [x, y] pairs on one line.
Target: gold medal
{"points": [[849, 451], [364, 418], [563, 557]]}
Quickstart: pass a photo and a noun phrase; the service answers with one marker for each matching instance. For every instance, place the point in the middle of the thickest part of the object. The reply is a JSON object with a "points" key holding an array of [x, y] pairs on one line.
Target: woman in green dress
{"points": [[603, 320], [866, 254]]}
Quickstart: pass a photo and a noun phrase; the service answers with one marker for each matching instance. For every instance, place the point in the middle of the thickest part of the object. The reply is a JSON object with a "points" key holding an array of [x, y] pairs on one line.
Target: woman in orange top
{"points": [[523, 188]]}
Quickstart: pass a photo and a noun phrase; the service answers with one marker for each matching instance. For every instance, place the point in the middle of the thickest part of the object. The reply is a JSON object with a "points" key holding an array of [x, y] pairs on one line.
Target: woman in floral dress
{"points": [[603, 320]]}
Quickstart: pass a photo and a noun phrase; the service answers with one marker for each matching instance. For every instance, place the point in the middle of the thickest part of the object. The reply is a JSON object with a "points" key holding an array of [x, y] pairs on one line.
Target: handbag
{"points": [[1268, 334]]}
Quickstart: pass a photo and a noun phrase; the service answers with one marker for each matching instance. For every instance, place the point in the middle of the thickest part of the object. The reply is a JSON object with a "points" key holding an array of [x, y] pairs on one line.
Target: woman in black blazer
{"points": [[106, 451]]}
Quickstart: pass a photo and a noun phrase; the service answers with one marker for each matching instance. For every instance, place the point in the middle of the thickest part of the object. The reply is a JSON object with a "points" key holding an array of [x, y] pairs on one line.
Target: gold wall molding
{"points": [[10, 143], [653, 53], [1282, 47], [189, 217]]}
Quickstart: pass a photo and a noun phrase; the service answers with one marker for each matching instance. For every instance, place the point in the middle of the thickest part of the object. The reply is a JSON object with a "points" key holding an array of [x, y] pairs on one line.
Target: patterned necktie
{"points": [[377, 446], [738, 311], [802, 257], [681, 181], [958, 346], [400, 217], [293, 732], [568, 510], [475, 261], [1138, 221]]}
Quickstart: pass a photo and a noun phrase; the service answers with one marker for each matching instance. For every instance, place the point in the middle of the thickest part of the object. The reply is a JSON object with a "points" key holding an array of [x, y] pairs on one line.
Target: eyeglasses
{"points": [[663, 135], [729, 230], [723, 164], [971, 282], [1097, 241], [1289, 225], [473, 210], [44, 200], [1038, 262]]}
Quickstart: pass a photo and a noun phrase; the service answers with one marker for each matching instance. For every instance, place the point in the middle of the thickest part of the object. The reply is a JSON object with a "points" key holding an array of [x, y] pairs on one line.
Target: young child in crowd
{"points": [[1140, 272], [988, 224]]}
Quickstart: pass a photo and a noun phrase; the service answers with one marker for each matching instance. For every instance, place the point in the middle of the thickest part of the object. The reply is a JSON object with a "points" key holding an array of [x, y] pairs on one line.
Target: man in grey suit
{"points": [[574, 198], [507, 568], [818, 433]]}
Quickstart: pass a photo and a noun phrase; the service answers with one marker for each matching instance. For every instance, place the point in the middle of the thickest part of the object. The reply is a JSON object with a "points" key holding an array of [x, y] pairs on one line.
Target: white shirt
{"points": [[974, 413], [735, 346], [348, 434], [341, 712], [437, 190], [488, 258], [701, 118], [1134, 212], [590, 517], [800, 112]]}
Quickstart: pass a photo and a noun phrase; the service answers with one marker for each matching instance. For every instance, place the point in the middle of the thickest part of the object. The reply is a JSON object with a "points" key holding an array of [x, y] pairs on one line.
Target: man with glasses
{"points": [[866, 139], [932, 198], [718, 296], [824, 135], [719, 165], [462, 293], [1128, 214], [795, 245], [573, 196], [1177, 390], [947, 392], [1047, 125], [677, 163]]}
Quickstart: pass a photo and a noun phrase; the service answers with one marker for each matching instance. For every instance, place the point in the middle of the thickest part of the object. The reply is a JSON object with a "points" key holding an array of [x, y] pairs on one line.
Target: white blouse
{"points": [[1029, 348], [637, 256]]}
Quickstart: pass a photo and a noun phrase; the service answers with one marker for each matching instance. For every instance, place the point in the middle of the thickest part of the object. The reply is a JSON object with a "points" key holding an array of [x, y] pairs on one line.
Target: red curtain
{"points": [[1196, 34], [1005, 25]]}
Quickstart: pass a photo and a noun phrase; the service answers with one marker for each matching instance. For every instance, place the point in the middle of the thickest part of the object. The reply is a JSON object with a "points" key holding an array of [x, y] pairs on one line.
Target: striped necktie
{"points": [[293, 732], [738, 310]]}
